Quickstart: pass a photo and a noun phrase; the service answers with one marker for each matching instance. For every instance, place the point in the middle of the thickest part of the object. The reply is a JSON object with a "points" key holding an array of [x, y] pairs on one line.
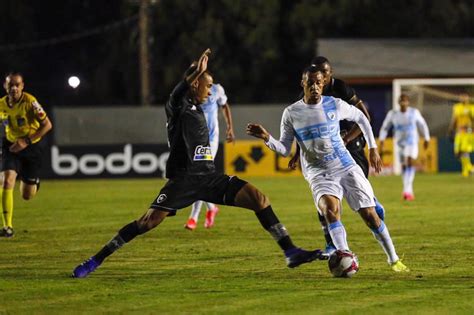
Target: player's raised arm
{"points": [[199, 68]]}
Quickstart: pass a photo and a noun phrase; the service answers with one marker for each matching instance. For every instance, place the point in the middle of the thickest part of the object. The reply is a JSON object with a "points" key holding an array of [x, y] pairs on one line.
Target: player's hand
{"points": [[375, 160], [18, 145], [426, 144], [257, 131], [202, 62], [229, 136], [293, 163]]}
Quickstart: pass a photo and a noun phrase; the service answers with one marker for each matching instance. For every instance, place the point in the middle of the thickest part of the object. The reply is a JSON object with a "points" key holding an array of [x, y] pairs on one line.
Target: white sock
{"points": [[211, 206], [338, 235], [410, 179], [405, 179], [196, 209], [383, 237]]}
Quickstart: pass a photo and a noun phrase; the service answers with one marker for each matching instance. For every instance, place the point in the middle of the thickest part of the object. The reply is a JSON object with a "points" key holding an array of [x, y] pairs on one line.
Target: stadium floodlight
{"points": [[73, 81], [434, 98]]}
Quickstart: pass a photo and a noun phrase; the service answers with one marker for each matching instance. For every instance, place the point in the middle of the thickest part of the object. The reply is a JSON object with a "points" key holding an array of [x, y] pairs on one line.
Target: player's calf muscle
{"points": [[370, 217]]}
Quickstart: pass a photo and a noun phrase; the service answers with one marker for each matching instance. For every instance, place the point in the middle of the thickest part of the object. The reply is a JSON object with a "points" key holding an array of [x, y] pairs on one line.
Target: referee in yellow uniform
{"points": [[462, 122], [25, 124]]}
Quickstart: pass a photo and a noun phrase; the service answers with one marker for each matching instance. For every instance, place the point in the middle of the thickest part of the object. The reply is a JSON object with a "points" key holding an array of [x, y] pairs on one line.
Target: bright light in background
{"points": [[73, 82]]}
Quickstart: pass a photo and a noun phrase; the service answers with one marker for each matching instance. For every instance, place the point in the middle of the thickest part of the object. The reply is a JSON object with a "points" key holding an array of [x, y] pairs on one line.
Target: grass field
{"points": [[236, 267]]}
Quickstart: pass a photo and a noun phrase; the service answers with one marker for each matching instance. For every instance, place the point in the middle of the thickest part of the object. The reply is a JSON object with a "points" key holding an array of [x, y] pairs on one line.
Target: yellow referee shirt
{"points": [[22, 118], [464, 116]]}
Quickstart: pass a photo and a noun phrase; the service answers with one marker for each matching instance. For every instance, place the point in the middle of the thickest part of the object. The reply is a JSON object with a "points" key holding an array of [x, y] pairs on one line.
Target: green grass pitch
{"points": [[236, 267]]}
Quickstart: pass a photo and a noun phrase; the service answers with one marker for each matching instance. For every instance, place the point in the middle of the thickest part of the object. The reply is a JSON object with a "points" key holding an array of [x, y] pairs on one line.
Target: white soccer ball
{"points": [[343, 264]]}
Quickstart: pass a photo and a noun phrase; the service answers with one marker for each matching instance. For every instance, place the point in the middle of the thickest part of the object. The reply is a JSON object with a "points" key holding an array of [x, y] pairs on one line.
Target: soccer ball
{"points": [[343, 264]]}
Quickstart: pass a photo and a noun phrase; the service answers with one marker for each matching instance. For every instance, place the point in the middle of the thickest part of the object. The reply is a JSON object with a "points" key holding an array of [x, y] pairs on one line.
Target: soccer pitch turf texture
{"points": [[236, 267]]}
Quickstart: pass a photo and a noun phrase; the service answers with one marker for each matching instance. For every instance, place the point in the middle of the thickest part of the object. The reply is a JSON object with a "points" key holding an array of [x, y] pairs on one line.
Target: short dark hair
{"points": [[310, 69], [319, 60]]}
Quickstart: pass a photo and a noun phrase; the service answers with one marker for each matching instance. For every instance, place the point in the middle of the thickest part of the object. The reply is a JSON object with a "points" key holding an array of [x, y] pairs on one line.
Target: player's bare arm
{"points": [[201, 67], [375, 160], [293, 163], [257, 131], [229, 136]]}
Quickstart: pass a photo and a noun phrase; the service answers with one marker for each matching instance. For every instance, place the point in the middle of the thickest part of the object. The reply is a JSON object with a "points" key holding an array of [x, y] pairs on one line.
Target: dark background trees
{"points": [[259, 47]]}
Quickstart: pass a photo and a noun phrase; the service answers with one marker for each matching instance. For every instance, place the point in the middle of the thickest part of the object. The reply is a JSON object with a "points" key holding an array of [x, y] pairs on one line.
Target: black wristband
{"points": [[27, 140]]}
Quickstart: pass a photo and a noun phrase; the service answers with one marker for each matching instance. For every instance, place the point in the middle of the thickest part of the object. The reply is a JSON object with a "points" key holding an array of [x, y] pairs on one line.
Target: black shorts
{"points": [[182, 191], [27, 162], [361, 160]]}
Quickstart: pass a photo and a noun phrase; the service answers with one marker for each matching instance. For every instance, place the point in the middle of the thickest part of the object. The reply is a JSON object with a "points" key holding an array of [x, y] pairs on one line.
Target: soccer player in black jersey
{"points": [[192, 176], [350, 132]]}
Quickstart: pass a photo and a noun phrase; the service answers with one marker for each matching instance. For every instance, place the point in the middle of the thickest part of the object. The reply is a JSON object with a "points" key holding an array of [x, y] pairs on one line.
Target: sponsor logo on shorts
{"points": [[202, 153], [161, 198]]}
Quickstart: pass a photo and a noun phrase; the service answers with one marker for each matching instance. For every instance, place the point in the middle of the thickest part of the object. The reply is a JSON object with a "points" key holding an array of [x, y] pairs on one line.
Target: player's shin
{"points": [[7, 204], [466, 165], [338, 235], [277, 230], [325, 228], [382, 235], [125, 235], [195, 210]]}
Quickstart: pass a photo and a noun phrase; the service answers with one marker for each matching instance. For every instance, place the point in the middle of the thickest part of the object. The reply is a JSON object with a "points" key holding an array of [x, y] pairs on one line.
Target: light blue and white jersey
{"points": [[316, 128], [211, 110], [405, 126]]}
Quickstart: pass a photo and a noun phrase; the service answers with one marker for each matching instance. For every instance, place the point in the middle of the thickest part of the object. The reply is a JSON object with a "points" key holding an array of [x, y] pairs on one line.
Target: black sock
{"points": [[324, 227], [125, 235], [270, 222]]}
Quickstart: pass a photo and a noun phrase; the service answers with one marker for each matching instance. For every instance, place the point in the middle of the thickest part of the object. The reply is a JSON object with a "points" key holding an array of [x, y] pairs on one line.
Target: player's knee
{"points": [[27, 195], [9, 182]]}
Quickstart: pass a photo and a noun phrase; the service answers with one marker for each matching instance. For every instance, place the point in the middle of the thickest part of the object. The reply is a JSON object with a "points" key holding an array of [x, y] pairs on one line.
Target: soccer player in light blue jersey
{"points": [[406, 122], [327, 164], [217, 99]]}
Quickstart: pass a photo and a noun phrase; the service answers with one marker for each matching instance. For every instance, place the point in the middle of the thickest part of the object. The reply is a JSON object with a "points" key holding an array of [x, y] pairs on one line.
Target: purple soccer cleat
{"points": [[85, 268]]}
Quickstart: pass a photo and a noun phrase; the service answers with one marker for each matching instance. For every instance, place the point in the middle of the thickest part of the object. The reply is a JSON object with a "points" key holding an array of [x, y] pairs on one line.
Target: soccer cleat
{"points": [[408, 197], [7, 232], [210, 216], [298, 256], [191, 224], [85, 268], [398, 266]]}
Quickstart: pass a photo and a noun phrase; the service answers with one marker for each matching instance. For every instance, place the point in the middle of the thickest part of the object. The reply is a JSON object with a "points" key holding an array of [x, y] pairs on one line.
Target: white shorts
{"points": [[408, 151], [352, 184]]}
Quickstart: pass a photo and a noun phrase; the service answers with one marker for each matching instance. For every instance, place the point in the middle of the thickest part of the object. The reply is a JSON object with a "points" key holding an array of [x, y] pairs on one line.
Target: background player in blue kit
{"points": [[405, 122]]}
